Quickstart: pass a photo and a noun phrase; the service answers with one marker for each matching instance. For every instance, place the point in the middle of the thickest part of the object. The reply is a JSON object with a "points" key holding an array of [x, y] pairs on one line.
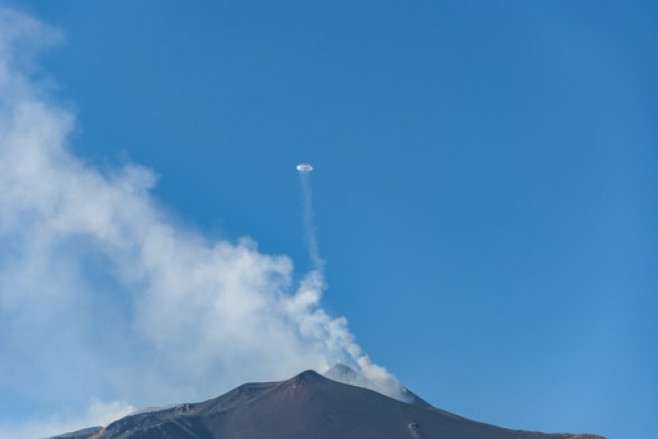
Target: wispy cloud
{"points": [[103, 295]]}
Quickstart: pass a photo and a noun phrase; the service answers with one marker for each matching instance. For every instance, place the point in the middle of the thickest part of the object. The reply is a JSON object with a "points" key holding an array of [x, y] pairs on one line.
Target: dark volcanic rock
{"points": [[308, 406], [80, 434]]}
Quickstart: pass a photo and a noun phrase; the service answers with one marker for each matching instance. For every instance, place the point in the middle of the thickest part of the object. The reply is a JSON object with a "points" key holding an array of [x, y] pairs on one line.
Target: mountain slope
{"points": [[307, 406]]}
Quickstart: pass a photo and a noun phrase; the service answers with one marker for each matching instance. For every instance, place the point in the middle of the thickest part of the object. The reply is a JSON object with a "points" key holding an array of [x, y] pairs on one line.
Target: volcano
{"points": [[307, 406]]}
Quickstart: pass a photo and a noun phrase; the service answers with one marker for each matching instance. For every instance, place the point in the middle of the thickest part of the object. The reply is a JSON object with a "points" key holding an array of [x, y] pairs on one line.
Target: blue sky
{"points": [[485, 184]]}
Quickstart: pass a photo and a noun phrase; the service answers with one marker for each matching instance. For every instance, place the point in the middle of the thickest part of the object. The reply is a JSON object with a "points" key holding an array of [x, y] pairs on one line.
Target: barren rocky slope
{"points": [[305, 406]]}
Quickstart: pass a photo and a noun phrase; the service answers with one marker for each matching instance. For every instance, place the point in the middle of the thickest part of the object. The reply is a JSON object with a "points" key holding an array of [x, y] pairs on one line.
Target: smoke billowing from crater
{"points": [[108, 303], [369, 374]]}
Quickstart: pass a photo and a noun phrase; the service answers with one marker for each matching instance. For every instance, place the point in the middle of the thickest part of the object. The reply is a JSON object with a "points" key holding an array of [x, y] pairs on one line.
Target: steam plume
{"points": [[368, 374], [106, 303]]}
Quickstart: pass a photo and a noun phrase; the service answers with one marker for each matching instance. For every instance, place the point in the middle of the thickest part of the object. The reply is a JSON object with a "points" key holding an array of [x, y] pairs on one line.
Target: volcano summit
{"points": [[307, 406]]}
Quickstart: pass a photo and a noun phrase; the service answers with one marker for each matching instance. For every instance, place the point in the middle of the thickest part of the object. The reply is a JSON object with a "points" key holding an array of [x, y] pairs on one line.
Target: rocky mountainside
{"points": [[306, 406]]}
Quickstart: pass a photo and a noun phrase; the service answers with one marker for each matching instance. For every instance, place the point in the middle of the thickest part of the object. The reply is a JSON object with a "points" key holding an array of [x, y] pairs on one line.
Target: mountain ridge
{"points": [[307, 405]]}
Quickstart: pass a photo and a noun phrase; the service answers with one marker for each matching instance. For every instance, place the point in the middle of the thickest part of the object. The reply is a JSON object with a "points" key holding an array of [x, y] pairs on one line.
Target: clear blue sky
{"points": [[485, 187]]}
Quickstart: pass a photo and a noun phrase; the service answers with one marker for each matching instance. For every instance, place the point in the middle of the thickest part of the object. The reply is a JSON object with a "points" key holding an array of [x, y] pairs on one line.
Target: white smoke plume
{"points": [[337, 338], [103, 297]]}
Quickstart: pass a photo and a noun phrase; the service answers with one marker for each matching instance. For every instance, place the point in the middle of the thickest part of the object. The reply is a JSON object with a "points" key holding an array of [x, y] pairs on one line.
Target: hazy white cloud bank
{"points": [[97, 413], [106, 303]]}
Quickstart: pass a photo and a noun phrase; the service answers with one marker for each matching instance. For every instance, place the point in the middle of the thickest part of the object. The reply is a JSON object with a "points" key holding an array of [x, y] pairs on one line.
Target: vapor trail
{"points": [[307, 211], [336, 337]]}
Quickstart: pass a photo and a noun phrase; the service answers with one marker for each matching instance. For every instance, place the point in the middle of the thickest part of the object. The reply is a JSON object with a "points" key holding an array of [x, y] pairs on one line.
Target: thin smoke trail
{"points": [[370, 375], [309, 223]]}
